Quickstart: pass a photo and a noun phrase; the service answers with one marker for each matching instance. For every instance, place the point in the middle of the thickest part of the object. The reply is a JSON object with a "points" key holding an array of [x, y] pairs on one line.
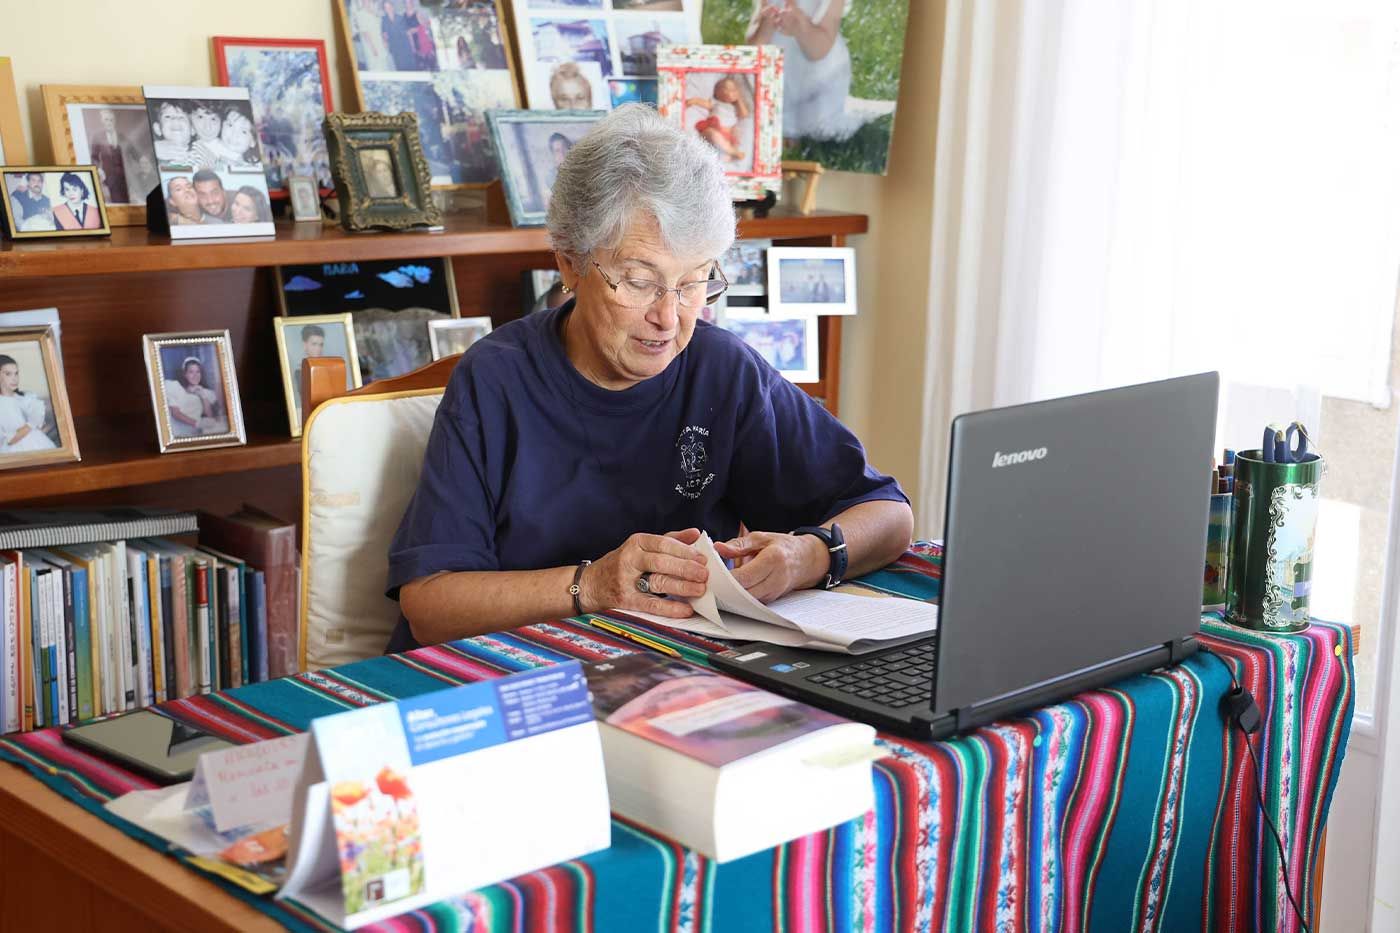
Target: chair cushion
{"points": [[361, 459]]}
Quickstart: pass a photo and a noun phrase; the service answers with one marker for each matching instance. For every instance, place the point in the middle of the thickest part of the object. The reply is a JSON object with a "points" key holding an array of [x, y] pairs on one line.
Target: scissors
{"points": [[1279, 444]]}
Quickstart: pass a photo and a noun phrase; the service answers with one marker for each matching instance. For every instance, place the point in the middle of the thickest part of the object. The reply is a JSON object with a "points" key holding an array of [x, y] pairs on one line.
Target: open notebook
{"points": [[818, 619]]}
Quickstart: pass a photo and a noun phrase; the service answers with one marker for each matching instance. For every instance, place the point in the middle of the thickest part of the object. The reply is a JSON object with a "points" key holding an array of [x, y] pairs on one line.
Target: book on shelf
{"points": [[694, 755], [49, 528], [821, 619], [269, 544]]}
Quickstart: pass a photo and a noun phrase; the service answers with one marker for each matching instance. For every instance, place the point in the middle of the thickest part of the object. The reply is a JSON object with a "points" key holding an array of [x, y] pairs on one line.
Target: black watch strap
{"points": [[835, 543]]}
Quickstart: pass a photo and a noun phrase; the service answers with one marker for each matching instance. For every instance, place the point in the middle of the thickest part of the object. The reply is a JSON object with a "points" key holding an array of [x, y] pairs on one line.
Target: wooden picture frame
{"points": [[291, 377], [381, 175], [60, 100], [522, 154], [13, 150], [37, 447], [222, 45], [54, 182], [504, 89], [752, 147], [164, 366]]}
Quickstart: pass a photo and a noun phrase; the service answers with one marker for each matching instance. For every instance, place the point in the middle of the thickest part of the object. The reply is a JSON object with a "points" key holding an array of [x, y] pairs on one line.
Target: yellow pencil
{"points": [[633, 637]]}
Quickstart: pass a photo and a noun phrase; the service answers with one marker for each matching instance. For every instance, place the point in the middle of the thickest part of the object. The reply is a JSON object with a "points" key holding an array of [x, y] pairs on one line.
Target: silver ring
{"points": [[644, 584]]}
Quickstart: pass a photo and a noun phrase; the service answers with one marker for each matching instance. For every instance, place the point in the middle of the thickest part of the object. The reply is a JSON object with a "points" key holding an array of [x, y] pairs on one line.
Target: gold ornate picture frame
{"points": [[381, 175], [133, 152], [194, 411], [36, 424]]}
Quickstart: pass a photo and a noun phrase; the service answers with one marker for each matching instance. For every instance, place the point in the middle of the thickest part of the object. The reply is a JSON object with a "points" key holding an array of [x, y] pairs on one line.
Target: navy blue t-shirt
{"points": [[530, 465]]}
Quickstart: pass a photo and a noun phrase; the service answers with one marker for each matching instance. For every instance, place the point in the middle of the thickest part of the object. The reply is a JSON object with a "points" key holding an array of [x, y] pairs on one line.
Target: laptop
{"points": [[1074, 552]]}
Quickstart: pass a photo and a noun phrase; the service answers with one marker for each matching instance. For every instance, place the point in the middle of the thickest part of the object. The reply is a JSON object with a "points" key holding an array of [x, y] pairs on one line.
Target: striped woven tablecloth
{"points": [[1126, 807]]}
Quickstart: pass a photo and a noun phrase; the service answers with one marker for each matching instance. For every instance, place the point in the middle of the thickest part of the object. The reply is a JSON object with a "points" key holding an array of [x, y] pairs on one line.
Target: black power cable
{"points": [[1240, 710]]}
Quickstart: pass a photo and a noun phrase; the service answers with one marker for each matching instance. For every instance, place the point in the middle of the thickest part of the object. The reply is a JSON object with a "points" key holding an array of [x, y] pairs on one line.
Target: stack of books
{"points": [[102, 612]]}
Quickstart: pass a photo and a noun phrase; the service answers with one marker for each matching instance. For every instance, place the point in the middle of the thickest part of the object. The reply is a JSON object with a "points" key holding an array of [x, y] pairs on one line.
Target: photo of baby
{"points": [[720, 108]]}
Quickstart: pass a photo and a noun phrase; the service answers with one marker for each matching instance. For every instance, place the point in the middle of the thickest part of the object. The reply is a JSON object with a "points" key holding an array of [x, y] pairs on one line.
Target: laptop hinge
{"points": [[962, 719], [1180, 649]]}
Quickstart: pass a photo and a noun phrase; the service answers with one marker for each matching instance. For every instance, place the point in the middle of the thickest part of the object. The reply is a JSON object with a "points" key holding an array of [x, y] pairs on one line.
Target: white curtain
{"points": [[1130, 190]]}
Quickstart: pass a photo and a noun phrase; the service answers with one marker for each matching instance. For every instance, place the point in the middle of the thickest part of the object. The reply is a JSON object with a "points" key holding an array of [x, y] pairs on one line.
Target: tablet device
{"points": [[159, 748]]}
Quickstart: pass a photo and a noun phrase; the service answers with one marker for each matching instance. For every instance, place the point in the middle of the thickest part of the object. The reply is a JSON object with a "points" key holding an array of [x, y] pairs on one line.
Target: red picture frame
{"points": [[221, 45]]}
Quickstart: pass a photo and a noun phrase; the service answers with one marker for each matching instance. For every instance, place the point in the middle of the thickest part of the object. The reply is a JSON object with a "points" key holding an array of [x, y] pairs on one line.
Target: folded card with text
{"points": [[405, 803], [820, 619]]}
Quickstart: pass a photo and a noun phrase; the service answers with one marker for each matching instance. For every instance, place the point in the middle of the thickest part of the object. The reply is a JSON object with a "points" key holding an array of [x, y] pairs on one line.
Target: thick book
{"points": [[722, 766], [268, 544], [50, 528], [827, 621]]}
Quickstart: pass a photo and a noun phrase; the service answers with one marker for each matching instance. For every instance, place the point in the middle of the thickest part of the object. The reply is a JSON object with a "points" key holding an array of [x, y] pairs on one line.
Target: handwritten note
{"points": [[249, 784]]}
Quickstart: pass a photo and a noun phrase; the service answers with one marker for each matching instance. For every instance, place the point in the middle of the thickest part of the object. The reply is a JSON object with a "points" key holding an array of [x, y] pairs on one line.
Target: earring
{"points": [[565, 289]]}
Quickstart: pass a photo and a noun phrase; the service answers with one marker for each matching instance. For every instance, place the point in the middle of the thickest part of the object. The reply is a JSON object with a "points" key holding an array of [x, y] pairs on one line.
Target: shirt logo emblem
{"points": [[691, 444]]}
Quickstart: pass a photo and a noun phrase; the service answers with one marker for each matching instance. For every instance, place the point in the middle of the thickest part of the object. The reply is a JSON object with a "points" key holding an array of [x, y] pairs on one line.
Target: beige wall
{"points": [[141, 42], [883, 347]]}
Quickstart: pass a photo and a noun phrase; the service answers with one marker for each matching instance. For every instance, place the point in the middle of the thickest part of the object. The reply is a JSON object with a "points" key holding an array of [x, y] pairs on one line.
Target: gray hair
{"points": [[633, 160]]}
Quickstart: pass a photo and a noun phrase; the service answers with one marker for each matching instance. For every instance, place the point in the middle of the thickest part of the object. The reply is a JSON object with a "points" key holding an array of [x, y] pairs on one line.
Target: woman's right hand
{"points": [[676, 569]]}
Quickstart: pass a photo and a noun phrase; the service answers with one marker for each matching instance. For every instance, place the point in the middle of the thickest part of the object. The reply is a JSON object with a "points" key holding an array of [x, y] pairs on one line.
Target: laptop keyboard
{"points": [[900, 678]]}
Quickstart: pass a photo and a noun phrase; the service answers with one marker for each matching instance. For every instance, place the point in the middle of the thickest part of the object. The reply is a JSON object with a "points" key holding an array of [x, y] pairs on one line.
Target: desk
{"points": [[1127, 807]]}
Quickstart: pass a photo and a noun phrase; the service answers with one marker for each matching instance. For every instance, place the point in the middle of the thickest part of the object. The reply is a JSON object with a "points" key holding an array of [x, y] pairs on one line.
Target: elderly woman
{"points": [[581, 450]]}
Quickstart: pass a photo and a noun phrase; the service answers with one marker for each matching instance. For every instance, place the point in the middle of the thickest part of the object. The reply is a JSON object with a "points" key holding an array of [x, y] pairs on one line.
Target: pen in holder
{"points": [[1271, 561], [1214, 594]]}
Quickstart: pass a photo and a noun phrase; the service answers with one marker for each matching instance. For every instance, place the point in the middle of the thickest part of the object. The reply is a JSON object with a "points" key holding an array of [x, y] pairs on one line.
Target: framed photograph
{"points": [[811, 280], [532, 145], [289, 87], [194, 390], [455, 336], [788, 344], [732, 98], [316, 335], [838, 107], [13, 150], [106, 127], [381, 177], [541, 290], [612, 46], [53, 200], [743, 267], [448, 63], [305, 198], [209, 160], [36, 424]]}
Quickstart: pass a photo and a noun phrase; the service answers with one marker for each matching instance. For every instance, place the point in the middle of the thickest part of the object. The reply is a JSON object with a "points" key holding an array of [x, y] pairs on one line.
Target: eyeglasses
{"points": [[643, 293]]}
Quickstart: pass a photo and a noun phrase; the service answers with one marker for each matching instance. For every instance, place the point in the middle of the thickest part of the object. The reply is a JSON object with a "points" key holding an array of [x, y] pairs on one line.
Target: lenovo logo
{"points": [[1000, 459]]}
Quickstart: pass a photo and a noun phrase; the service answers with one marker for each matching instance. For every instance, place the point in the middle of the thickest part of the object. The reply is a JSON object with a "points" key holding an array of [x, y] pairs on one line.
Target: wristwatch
{"points": [[835, 545]]}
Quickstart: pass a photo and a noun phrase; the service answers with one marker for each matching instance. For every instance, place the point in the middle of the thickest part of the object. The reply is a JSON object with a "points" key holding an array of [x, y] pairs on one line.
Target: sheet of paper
{"points": [[728, 594], [251, 783], [843, 619]]}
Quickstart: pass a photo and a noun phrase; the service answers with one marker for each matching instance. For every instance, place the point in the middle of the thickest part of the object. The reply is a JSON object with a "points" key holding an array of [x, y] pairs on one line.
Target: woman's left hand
{"points": [[770, 565]]}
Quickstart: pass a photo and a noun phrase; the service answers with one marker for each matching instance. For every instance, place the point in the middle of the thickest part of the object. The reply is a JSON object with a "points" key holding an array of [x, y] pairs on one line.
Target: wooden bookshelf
{"points": [[134, 249], [111, 290]]}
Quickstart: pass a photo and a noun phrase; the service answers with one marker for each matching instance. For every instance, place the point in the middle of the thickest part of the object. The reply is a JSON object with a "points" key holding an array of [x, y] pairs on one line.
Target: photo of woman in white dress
{"points": [[23, 416], [195, 409]]}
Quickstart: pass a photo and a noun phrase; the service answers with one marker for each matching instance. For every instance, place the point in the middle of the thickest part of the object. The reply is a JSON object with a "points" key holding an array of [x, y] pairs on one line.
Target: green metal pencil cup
{"points": [[1271, 562]]}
